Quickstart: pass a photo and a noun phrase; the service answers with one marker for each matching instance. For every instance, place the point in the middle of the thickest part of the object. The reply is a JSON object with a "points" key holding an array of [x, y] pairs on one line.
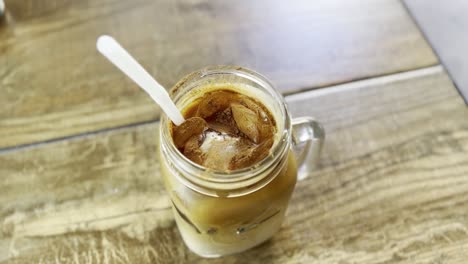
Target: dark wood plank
{"points": [[391, 187], [445, 24], [54, 84]]}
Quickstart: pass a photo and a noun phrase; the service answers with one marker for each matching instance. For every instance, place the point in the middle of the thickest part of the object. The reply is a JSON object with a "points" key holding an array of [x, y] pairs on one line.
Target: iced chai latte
{"points": [[229, 168]]}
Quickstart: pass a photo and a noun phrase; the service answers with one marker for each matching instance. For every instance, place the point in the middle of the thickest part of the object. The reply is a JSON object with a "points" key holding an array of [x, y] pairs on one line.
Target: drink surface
{"points": [[225, 130]]}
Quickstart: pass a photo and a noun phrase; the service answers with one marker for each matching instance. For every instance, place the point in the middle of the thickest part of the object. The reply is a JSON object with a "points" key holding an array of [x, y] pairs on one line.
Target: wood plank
{"points": [[391, 187], [445, 25], [54, 83]]}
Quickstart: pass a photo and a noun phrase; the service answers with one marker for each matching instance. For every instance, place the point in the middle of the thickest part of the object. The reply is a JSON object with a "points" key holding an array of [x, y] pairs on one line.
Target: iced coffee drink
{"points": [[228, 165], [229, 168], [227, 131]]}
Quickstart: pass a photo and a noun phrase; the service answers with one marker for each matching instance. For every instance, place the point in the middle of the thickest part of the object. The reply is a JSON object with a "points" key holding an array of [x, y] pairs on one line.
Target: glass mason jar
{"points": [[225, 212]]}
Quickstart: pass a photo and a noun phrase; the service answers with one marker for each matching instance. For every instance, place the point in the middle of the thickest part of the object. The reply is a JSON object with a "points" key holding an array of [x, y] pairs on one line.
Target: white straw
{"points": [[112, 50]]}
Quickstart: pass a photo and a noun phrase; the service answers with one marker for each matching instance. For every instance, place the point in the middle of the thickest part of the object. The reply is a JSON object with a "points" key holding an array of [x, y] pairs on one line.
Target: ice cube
{"points": [[249, 103], [224, 122], [251, 155], [214, 102], [265, 125], [192, 149], [191, 127], [218, 150], [247, 121]]}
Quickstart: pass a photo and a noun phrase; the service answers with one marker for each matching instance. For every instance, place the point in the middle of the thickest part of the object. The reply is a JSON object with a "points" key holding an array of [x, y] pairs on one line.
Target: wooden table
{"points": [[78, 166]]}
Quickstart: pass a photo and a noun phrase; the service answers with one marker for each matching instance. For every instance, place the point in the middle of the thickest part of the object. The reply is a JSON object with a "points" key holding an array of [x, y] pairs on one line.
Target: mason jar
{"points": [[225, 212]]}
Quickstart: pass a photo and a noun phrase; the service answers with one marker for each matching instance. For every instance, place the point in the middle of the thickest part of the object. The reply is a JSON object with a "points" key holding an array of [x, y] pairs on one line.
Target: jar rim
{"points": [[231, 178]]}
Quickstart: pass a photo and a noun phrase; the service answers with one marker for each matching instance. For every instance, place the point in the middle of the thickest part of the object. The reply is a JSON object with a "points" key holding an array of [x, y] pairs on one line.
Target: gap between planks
{"points": [[311, 93]]}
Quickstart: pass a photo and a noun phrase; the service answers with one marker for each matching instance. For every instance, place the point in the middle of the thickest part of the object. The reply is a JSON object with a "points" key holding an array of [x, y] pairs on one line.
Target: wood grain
{"points": [[391, 187], [445, 25], [55, 84]]}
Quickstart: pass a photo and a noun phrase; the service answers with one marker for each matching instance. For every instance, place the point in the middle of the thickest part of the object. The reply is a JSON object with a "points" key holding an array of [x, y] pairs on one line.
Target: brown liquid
{"points": [[225, 130], [216, 226]]}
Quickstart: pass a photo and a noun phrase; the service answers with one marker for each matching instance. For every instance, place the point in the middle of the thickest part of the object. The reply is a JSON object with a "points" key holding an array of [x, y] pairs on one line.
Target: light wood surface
{"points": [[445, 24], [391, 187], [54, 84]]}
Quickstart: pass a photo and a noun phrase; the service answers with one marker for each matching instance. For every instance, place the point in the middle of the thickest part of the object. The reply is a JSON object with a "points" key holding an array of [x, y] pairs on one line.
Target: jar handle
{"points": [[308, 136]]}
